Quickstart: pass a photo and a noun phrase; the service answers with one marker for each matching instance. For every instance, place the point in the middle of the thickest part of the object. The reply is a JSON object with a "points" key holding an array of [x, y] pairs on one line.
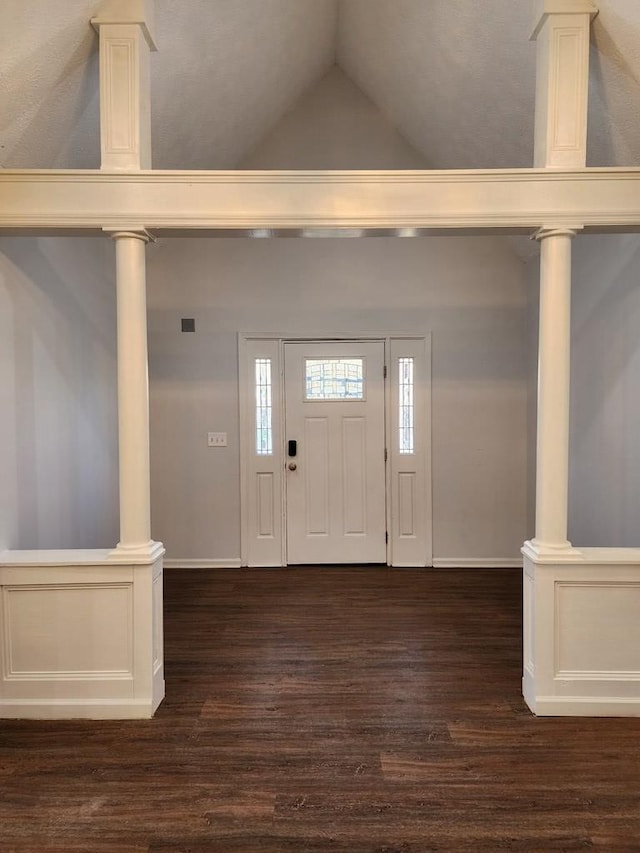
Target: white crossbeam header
{"points": [[36, 201]]}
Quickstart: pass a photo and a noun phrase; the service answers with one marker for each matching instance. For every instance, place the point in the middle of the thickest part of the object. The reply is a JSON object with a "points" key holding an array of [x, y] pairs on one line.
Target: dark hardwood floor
{"points": [[328, 710]]}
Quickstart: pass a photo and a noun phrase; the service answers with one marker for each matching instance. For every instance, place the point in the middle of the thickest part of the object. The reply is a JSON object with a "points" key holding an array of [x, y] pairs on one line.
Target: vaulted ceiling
{"points": [[456, 77]]}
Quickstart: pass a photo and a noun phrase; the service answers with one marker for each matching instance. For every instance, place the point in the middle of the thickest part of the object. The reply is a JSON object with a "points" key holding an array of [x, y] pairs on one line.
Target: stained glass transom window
{"points": [[334, 379], [264, 408], [405, 406]]}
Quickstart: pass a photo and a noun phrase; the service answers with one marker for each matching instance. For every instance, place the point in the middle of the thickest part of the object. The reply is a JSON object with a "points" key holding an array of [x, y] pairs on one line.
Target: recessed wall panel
{"points": [[264, 496], [529, 623], [597, 629], [86, 631], [316, 465], [158, 638], [567, 124], [121, 120], [406, 503], [354, 475]]}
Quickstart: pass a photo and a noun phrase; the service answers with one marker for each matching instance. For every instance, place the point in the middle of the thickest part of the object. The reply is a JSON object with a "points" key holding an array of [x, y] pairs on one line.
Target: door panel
{"points": [[316, 476], [334, 409]]}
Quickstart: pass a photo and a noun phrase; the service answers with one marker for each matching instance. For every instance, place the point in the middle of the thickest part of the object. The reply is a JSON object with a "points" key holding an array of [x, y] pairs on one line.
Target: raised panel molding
{"points": [[119, 112], [597, 630], [316, 474], [158, 626], [570, 110], [80, 631], [406, 504], [354, 475], [265, 509], [529, 624]]}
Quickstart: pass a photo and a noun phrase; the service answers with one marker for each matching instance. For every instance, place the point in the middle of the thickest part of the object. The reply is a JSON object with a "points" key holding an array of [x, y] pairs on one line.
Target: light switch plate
{"points": [[216, 439]]}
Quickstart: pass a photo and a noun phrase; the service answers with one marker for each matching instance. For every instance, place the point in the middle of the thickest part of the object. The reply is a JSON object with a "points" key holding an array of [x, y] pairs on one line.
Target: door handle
{"points": [[292, 466]]}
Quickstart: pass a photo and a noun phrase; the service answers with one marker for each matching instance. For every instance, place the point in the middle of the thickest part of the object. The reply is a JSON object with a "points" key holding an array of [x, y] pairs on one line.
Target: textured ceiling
{"points": [[458, 77], [455, 76]]}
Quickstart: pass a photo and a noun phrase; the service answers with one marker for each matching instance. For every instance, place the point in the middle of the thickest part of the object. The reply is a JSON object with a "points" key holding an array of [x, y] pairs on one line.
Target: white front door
{"points": [[335, 452]]}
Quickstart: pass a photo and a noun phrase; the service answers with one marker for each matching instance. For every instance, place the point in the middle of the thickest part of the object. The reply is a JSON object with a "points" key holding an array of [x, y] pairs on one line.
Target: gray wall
{"points": [[58, 430], [469, 292], [604, 482], [604, 451]]}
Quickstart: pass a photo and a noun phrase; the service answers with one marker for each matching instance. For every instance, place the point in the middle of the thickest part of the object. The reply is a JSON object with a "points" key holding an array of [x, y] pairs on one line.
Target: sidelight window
{"points": [[406, 412], [264, 408]]}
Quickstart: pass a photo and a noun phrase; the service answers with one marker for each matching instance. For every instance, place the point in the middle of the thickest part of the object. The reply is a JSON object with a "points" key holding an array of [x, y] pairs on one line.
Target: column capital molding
{"points": [[136, 233], [127, 13], [543, 9], [551, 231]]}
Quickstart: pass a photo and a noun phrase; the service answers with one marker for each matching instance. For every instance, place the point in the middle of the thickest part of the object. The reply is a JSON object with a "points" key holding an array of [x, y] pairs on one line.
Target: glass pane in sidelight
{"points": [[264, 409], [406, 412]]}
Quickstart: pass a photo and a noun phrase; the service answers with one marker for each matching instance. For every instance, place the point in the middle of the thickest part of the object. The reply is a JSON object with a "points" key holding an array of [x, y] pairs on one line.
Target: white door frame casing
{"points": [[263, 536]]}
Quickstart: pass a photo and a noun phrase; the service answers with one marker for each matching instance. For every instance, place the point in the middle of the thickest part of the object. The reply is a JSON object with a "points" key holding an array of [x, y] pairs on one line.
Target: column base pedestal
{"points": [[83, 634], [581, 614], [149, 552], [546, 552]]}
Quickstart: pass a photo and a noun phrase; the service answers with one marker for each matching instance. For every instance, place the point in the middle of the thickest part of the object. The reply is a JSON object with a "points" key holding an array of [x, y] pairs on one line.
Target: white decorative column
{"points": [[83, 629], [561, 30], [581, 607], [126, 39], [133, 396], [554, 350]]}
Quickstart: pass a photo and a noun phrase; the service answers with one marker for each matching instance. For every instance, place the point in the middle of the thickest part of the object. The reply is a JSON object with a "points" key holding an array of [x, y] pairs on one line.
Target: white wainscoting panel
{"points": [[83, 630], [582, 633], [597, 630], [81, 635]]}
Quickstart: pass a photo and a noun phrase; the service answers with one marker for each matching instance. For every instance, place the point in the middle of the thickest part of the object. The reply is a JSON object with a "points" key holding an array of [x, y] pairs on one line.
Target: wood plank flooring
{"points": [[325, 710]]}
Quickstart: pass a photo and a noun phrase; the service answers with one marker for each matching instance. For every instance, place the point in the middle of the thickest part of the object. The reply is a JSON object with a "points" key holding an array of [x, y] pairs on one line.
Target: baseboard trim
{"points": [[586, 706], [212, 563], [87, 709], [578, 706], [438, 563], [476, 562]]}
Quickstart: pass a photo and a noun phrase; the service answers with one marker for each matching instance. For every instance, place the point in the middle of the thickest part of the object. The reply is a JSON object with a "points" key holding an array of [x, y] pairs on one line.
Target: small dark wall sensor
{"points": [[188, 324]]}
